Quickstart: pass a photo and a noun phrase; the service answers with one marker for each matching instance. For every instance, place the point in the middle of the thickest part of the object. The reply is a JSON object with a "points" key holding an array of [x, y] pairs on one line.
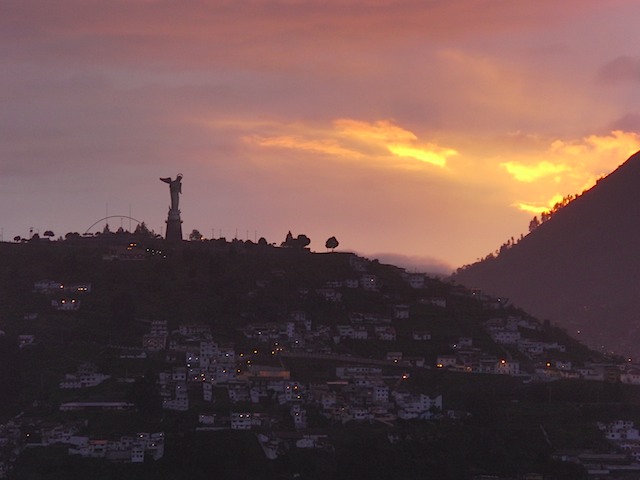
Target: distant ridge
{"points": [[581, 268]]}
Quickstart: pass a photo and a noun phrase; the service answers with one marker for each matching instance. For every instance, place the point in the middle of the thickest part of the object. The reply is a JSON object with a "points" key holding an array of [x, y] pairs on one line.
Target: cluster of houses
{"points": [[86, 376], [203, 373], [542, 362], [127, 449], [509, 332], [131, 448], [64, 296], [13, 438], [622, 462], [21, 433]]}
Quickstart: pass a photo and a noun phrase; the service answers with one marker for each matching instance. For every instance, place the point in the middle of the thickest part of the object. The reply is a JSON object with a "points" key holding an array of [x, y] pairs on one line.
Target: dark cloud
{"points": [[620, 70], [627, 123]]}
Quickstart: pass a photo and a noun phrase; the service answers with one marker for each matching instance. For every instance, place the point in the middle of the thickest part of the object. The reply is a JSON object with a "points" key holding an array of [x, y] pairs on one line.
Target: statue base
{"points": [[174, 227]]}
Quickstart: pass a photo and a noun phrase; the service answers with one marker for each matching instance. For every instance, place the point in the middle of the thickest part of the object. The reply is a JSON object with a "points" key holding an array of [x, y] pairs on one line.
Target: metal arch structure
{"points": [[107, 218]]}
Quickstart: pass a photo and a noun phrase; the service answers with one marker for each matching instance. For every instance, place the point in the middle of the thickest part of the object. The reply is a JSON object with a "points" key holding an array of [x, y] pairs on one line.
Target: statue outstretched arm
{"points": [[166, 180]]}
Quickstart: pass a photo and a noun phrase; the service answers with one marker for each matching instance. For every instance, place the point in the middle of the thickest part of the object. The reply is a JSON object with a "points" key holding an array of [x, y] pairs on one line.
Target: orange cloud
{"points": [[574, 165], [328, 147], [355, 139], [537, 209], [434, 155], [380, 131], [531, 173], [586, 159]]}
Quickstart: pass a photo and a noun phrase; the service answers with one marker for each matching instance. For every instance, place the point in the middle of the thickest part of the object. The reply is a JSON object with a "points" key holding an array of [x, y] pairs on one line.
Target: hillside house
{"points": [[439, 302], [299, 416], [631, 377], [95, 406], [385, 333], [66, 304], [414, 361], [329, 294], [238, 392], [47, 286], [530, 347], [401, 311], [620, 430], [359, 264], [154, 343], [394, 357], [505, 337], [243, 421], [180, 400], [195, 331], [159, 327], [462, 342], [82, 380], [412, 406], [125, 253], [77, 287], [446, 361], [421, 335], [507, 367], [415, 280], [26, 340], [351, 372], [369, 282]]}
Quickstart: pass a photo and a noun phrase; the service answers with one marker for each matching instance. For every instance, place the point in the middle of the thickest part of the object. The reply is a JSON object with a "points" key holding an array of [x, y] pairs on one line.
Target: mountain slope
{"points": [[581, 268]]}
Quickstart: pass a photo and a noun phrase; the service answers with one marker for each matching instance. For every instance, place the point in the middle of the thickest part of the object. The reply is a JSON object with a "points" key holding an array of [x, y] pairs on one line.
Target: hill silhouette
{"points": [[581, 268]]}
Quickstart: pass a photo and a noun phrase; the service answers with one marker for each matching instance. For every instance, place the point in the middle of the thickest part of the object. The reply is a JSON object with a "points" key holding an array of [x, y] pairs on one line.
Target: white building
{"points": [[507, 367], [401, 311], [505, 337], [242, 421], [415, 280], [369, 282], [83, 380]]}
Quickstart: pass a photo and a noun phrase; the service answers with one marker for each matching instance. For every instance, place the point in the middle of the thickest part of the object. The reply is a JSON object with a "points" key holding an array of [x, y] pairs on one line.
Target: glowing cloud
{"points": [[574, 165], [355, 139], [537, 209], [381, 131], [531, 173], [436, 156], [586, 159], [396, 140], [328, 147], [618, 143]]}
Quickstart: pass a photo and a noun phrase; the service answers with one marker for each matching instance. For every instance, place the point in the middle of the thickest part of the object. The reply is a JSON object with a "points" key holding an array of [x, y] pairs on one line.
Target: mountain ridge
{"points": [[579, 268]]}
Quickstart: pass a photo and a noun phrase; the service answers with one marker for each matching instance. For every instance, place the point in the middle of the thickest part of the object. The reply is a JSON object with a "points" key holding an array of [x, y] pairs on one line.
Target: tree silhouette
{"points": [[301, 241], [195, 236], [143, 230], [332, 243]]}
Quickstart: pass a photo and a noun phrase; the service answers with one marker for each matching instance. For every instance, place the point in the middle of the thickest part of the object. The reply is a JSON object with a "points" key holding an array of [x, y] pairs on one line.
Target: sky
{"points": [[422, 132]]}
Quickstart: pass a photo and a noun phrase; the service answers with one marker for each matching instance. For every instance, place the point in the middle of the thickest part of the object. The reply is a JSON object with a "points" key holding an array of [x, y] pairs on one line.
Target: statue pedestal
{"points": [[174, 226]]}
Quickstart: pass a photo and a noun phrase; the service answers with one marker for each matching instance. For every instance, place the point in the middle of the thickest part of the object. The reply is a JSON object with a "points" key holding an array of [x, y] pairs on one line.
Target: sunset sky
{"points": [[429, 129]]}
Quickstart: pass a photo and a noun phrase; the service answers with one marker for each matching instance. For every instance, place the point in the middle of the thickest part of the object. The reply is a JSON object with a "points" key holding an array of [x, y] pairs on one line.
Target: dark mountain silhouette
{"points": [[581, 268]]}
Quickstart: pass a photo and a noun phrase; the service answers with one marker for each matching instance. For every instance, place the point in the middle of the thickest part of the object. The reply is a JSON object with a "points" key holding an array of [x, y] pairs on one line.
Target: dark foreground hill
{"points": [[581, 268], [181, 342]]}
